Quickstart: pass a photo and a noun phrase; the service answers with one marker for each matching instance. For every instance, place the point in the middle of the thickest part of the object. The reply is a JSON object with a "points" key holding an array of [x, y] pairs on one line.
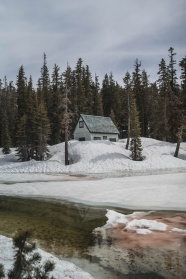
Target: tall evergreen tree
{"points": [[141, 88], [55, 113], [172, 70], [97, 108], [87, 81], [6, 140], [128, 90], [21, 92], [135, 144], [146, 107], [67, 115], [42, 132], [2, 273], [164, 92], [22, 143], [182, 64], [45, 83], [81, 98]]}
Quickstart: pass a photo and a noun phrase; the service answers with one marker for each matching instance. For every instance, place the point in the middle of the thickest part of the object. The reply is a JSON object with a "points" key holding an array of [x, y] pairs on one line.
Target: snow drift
{"points": [[100, 157]]}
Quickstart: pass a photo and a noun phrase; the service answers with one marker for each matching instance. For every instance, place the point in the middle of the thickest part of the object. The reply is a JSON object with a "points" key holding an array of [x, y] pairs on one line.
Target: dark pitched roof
{"points": [[99, 124]]}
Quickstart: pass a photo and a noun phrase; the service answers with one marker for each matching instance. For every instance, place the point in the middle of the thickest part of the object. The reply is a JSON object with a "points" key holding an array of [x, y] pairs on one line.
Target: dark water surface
{"points": [[65, 229]]}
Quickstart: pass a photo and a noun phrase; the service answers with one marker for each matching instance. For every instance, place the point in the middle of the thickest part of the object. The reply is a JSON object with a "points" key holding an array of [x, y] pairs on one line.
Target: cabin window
{"points": [[97, 138], [81, 139], [105, 137], [113, 139], [81, 124]]}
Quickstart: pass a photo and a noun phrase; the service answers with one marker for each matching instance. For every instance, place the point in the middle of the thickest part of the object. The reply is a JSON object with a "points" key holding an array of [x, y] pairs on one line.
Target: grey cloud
{"points": [[107, 34]]}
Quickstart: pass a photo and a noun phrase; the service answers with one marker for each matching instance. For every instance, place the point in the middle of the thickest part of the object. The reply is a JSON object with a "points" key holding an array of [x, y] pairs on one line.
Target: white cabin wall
{"points": [[81, 132], [101, 135]]}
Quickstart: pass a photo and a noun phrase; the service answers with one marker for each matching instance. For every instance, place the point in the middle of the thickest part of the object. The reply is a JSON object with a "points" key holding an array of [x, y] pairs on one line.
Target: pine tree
{"points": [[67, 115], [12, 112], [42, 131], [21, 92], [106, 96], [31, 113], [172, 70], [55, 113], [127, 82], [97, 108], [182, 64], [6, 140], [140, 94], [87, 82], [81, 98], [2, 273], [164, 92], [135, 144], [45, 83], [146, 104], [22, 143], [155, 110], [27, 261]]}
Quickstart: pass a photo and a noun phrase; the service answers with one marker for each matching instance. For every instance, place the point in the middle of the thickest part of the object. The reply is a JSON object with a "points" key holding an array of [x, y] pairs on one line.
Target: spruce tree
{"points": [[135, 144], [182, 64], [21, 92], [140, 94], [22, 143], [6, 140], [42, 130], [67, 115], [45, 83], [127, 82], [97, 108], [106, 96], [2, 273], [80, 89], [146, 104], [55, 112], [87, 82], [164, 92], [172, 70]]}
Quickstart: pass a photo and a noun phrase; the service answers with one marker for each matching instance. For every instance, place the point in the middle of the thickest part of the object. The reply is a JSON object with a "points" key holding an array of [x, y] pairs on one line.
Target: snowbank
{"points": [[62, 269], [133, 223], [100, 157]]}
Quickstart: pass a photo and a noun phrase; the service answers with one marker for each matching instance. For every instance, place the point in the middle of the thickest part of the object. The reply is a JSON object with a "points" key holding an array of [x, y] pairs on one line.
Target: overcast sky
{"points": [[107, 34]]}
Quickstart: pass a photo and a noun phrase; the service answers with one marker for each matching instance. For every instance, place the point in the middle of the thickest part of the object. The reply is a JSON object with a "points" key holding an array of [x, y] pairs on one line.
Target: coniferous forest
{"points": [[32, 118]]}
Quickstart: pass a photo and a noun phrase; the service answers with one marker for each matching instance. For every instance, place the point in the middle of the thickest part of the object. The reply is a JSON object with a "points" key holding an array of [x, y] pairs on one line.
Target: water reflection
{"points": [[144, 262], [66, 230]]}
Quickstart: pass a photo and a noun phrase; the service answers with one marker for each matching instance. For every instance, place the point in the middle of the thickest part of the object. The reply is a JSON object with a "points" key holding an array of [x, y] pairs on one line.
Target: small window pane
{"points": [[105, 137], [97, 138], [81, 124], [113, 139]]}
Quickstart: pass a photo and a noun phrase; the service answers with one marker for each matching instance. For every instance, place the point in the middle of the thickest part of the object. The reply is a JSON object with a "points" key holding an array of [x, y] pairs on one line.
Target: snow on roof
{"points": [[99, 124]]}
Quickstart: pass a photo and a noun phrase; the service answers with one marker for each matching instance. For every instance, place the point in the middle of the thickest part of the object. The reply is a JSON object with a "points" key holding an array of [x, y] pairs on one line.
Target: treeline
{"points": [[31, 118]]}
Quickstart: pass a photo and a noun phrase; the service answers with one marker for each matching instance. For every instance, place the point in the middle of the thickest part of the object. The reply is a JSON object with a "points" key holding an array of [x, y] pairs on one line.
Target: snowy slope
{"points": [[100, 157], [62, 269]]}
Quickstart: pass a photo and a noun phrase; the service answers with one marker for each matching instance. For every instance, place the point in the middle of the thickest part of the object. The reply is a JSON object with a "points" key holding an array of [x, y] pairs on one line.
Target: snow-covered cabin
{"points": [[91, 127]]}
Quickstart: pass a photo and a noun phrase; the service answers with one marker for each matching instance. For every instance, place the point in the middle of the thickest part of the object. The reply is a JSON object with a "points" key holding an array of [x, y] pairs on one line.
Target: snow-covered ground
{"points": [[161, 190], [100, 157]]}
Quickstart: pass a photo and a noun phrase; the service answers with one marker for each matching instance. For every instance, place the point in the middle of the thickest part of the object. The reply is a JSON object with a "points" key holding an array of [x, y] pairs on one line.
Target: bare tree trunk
{"points": [[66, 147], [179, 136], [165, 120], [128, 132]]}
